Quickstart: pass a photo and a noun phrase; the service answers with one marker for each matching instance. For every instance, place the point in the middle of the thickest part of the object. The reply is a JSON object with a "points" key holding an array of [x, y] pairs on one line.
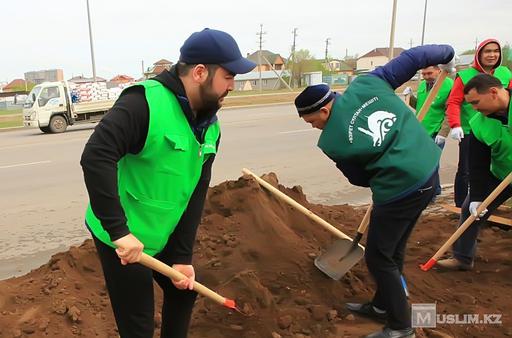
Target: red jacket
{"points": [[456, 97]]}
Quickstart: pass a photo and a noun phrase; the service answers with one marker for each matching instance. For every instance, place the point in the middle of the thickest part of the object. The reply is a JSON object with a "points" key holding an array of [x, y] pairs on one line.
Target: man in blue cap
{"points": [[376, 142], [147, 168]]}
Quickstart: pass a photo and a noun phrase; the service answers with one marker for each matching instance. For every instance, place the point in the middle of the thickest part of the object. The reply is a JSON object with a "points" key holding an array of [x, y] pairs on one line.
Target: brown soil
{"points": [[259, 251]]}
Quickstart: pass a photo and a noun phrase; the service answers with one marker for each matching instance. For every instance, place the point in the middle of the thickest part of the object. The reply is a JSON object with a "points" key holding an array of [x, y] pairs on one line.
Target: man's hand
{"points": [[186, 283], [457, 133], [407, 91], [440, 140], [473, 207], [450, 66], [129, 249]]}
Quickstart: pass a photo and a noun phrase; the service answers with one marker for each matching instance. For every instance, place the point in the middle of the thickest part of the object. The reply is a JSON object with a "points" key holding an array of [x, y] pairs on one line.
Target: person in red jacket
{"points": [[488, 61]]}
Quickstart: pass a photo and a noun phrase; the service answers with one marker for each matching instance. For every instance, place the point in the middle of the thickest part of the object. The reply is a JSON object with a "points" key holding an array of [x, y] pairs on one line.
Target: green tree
{"points": [[303, 62], [506, 56]]}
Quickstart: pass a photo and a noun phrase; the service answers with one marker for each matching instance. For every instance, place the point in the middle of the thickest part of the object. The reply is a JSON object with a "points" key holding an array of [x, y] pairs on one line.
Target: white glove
{"points": [[473, 206], [457, 133], [450, 66], [407, 91], [440, 140]]}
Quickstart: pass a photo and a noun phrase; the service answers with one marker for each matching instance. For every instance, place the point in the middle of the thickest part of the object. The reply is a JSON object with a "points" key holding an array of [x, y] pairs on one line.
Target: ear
{"points": [[493, 91], [200, 73], [325, 112]]}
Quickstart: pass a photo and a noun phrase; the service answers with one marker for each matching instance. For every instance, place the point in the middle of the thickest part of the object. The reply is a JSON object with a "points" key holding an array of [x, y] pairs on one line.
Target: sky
{"points": [[38, 35]]}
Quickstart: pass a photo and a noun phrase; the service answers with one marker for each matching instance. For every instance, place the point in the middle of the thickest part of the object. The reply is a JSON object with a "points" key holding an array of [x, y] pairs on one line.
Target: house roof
{"points": [[121, 78], [265, 75], [16, 83], [382, 52], [82, 79], [163, 62], [465, 59], [271, 57]]}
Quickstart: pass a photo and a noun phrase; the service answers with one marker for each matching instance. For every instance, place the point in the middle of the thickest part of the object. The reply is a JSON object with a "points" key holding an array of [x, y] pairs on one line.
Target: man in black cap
{"points": [[376, 142], [147, 168]]}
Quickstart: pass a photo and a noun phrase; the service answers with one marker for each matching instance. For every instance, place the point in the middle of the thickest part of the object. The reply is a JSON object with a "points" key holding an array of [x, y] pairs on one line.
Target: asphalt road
{"points": [[43, 198]]}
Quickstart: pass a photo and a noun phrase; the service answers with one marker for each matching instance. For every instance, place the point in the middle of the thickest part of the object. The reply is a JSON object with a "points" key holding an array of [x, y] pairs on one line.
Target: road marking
{"points": [[24, 164], [296, 131]]}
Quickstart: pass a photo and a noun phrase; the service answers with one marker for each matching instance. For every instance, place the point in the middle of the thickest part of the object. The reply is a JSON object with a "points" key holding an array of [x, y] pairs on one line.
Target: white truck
{"points": [[49, 106]]}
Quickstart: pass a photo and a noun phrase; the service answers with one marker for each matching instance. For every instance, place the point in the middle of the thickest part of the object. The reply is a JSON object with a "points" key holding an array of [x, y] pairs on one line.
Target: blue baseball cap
{"points": [[211, 46]]}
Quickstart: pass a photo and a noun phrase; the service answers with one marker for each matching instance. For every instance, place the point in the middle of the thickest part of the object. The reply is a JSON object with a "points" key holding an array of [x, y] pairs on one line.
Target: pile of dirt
{"points": [[258, 250]]}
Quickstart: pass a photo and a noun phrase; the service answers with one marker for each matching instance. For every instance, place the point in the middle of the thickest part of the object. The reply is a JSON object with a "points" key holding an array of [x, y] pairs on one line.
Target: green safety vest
{"points": [[372, 127], [498, 137], [156, 184], [433, 120], [502, 73]]}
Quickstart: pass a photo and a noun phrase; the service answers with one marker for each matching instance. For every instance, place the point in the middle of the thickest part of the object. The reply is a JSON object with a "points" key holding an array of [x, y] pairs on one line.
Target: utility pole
{"points": [[259, 53], [410, 43], [476, 44], [346, 53], [142, 64], [90, 40], [424, 20], [292, 57], [327, 42], [392, 35]]}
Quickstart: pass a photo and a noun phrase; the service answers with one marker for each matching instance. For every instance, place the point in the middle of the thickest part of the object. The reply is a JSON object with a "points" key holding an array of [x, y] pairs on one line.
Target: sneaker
{"points": [[390, 333], [368, 310], [454, 264]]}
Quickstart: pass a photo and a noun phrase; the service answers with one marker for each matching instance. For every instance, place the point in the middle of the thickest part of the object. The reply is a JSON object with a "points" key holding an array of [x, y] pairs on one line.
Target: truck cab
{"points": [[49, 106]]}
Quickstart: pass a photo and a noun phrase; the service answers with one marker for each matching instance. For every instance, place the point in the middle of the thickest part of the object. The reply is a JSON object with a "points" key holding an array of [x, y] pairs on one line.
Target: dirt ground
{"points": [[259, 251]]}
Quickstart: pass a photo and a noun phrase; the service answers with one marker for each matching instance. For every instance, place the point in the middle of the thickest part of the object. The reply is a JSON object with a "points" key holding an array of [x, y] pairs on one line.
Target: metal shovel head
{"points": [[339, 258]]}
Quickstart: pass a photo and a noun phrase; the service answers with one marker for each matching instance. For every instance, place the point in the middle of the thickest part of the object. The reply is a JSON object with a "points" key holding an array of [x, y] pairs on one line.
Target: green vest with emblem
{"points": [[156, 184], [434, 118], [372, 127], [502, 73], [498, 137]]}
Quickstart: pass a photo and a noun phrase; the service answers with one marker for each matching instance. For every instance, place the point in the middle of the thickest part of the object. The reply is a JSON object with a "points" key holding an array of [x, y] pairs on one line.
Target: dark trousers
{"points": [[130, 288], [438, 186], [465, 247], [390, 227], [461, 183]]}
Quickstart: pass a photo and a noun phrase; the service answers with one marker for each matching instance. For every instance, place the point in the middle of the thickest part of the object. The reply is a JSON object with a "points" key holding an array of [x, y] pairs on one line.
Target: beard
{"points": [[210, 101]]}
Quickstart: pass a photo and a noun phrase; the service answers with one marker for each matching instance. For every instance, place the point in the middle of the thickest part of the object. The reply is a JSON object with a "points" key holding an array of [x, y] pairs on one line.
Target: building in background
{"points": [[375, 58], [120, 81], [157, 68], [275, 61], [40, 76], [269, 80]]}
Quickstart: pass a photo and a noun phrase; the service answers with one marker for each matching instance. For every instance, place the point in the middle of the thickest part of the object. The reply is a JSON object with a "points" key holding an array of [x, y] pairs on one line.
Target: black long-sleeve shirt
{"points": [[124, 130]]}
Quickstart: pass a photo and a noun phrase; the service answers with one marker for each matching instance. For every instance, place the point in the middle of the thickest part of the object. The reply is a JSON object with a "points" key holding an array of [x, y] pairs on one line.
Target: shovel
{"points": [[343, 254], [446, 246], [166, 270]]}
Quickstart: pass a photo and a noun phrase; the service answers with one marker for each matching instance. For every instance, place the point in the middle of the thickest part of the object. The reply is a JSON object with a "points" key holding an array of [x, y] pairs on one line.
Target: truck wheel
{"points": [[45, 130], [58, 124]]}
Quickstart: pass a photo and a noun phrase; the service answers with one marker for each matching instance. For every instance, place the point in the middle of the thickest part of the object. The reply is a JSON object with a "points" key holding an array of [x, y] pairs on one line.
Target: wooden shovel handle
{"points": [[296, 205], [365, 221], [432, 95], [174, 274], [446, 246]]}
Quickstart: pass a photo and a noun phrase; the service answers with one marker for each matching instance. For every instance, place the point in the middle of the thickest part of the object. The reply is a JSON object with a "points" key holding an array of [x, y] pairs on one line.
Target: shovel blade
{"points": [[339, 258]]}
